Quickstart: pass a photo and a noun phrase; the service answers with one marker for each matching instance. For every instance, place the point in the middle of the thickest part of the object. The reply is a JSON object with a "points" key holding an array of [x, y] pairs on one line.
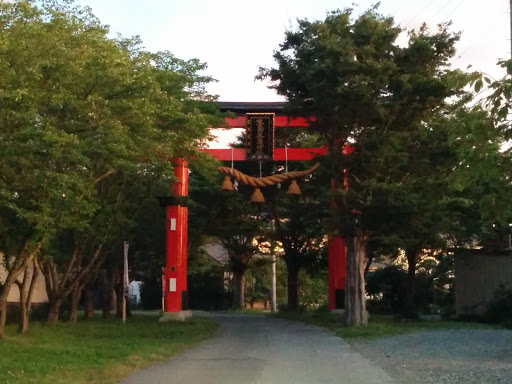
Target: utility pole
{"points": [[273, 300], [510, 12]]}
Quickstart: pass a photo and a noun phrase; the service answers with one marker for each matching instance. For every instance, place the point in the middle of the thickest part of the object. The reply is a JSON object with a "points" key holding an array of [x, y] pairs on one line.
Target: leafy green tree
{"points": [[299, 226], [499, 102], [82, 114], [235, 222], [42, 173], [363, 88]]}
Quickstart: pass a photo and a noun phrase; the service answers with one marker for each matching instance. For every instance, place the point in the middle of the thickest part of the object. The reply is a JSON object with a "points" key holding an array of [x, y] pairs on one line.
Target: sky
{"points": [[235, 37]]}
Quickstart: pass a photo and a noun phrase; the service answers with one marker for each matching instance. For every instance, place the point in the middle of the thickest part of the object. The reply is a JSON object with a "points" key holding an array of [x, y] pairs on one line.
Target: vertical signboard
{"points": [[260, 136]]}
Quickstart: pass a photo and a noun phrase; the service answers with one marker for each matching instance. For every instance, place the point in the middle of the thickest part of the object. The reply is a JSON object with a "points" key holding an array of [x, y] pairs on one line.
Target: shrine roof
{"points": [[251, 106]]}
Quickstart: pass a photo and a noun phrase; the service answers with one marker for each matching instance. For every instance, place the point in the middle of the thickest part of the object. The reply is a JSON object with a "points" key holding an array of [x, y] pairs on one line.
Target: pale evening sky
{"points": [[235, 36]]}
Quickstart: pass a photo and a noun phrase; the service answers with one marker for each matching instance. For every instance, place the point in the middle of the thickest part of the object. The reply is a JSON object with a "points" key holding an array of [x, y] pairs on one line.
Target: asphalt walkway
{"points": [[252, 349]]}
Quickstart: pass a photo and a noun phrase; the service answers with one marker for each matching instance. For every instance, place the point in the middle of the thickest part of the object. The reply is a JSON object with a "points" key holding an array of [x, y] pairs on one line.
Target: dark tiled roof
{"points": [[216, 252], [245, 107]]}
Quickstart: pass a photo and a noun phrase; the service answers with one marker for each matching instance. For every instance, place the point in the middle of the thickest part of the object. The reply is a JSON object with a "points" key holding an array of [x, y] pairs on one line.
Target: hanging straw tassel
{"points": [[293, 189], [227, 185], [257, 196]]}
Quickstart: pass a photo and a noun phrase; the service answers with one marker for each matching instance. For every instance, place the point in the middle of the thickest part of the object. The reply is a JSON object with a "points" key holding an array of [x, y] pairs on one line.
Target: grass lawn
{"points": [[379, 326], [94, 351]]}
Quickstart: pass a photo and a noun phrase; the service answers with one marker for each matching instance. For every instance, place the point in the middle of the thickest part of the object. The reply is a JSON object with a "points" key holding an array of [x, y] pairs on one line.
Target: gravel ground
{"points": [[443, 357]]}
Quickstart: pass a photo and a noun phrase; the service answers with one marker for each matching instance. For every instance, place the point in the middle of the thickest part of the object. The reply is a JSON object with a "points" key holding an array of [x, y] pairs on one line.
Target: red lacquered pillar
{"points": [[337, 271], [337, 267], [176, 243]]}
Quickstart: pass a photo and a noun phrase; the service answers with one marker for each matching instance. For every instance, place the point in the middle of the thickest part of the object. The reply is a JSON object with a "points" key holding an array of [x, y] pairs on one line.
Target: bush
{"points": [[206, 289], [39, 311], [312, 291], [151, 294], [499, 310], [388, 286]]}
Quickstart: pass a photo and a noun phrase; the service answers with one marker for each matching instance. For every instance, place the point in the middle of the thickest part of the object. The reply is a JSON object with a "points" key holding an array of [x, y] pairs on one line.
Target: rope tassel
{"points": [[257, 196]]}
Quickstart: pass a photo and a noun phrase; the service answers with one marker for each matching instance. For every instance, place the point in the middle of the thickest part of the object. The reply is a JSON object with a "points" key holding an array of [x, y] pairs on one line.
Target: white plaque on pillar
{"points": [[172, 225], [172, 284]]}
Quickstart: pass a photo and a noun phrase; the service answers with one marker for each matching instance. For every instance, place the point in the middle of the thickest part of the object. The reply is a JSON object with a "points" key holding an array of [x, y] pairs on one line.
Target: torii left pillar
{"points": [[174, 276]]}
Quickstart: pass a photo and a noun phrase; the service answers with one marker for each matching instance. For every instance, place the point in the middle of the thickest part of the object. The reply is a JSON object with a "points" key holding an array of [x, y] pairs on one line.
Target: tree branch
{"points": [[106, 174]]}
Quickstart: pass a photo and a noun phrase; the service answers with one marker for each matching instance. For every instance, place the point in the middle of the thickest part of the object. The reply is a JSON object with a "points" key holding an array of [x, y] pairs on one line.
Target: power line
{"points": [[416, 15], [481, 28], [440, 9], [455, 9]]}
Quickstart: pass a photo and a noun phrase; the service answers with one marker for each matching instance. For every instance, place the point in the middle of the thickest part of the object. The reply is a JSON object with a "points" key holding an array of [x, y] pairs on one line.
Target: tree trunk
{"points": [[88, 303], [107, 289], [74, 299], [54, 313], [293, 286], [239, 290], [20, 264], [6, 288], [410, 310], [128, 308], [107, 302], [23, 321], [26, 294], [119, 299], [368, 265], [355, 298]]}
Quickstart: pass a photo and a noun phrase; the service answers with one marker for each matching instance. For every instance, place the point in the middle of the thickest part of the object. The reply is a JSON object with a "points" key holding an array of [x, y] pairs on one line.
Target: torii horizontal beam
{"points": [[280, 154], [279, 122]]}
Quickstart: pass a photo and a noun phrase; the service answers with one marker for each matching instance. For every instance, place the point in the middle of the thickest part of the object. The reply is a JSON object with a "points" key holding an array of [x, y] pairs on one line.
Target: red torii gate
{"points": [[175, 272]]}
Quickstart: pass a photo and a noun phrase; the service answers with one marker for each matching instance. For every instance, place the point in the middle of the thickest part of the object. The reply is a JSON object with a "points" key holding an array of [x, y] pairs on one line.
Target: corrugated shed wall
{"points": [[477, 277]]}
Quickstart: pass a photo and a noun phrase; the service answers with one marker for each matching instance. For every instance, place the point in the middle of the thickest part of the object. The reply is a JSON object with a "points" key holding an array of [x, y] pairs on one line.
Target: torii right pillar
{"points": [[337, 257], [337, 272]]}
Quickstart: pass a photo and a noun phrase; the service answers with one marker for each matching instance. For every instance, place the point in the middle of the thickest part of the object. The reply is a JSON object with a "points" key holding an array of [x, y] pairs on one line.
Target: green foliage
{"points": [[151, 294], [499, 101], [312, 290], [389, 286], [87, 126], [389, 101], [433, 291], [205, 283], [229, 217], [361, 86], [257, 282], [499, 310]]}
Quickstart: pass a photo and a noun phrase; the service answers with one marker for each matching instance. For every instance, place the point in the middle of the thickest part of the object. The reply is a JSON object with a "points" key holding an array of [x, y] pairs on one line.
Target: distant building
{"points": [[38, 297], [217, 252], [220, 255], [134, 292], [477, 277]]}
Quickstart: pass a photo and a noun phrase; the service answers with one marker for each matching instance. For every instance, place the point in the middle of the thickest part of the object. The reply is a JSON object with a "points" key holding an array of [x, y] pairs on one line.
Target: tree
{"points": [[235, 222], [499, 102], [82, 115], [42, 174], [300, 230], [298, 221], [361, 87]]}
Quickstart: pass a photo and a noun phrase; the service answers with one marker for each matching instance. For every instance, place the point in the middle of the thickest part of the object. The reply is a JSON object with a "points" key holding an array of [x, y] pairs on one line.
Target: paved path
{"points": [[252, 349]]}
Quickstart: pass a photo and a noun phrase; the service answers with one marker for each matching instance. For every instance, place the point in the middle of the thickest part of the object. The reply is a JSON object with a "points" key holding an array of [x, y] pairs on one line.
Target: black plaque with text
{"points": [[260, 136]]}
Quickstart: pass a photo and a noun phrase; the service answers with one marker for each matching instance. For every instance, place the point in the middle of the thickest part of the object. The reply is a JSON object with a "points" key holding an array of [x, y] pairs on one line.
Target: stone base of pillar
{"points": [[175, 316]]}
